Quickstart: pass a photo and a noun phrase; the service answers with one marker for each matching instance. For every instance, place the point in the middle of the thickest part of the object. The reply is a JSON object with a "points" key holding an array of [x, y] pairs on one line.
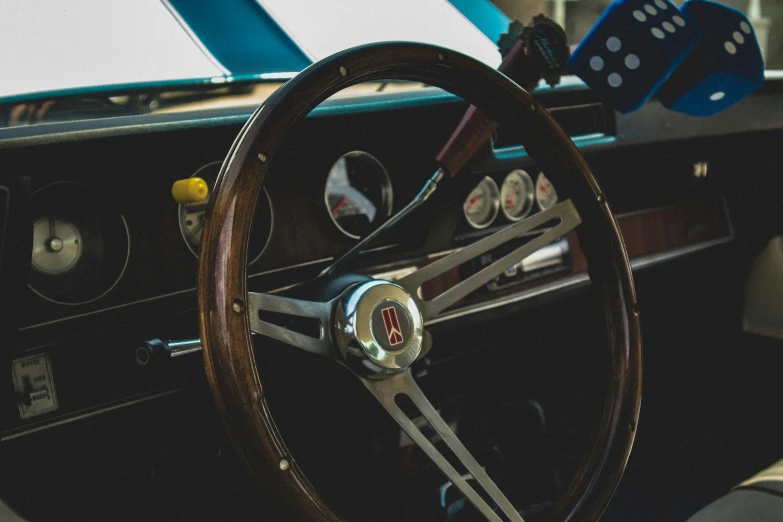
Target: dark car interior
{"points": [[108, 413]]}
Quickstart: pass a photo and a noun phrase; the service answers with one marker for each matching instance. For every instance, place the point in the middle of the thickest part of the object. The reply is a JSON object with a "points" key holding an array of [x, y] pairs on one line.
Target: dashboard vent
{"points": [[588, 119]]}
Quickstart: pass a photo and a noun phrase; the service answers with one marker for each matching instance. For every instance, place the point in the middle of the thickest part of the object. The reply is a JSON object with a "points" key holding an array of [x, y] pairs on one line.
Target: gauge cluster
{"points": [[516, 198], [82, 241], [95, 249]]}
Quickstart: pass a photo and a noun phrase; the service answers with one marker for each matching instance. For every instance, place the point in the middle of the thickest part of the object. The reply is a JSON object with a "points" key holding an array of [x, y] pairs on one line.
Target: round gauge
{"points": [[482, 205], [193, 215], [516, 195], [57, 245], [81, 245], [546, 196], [358, 194]]}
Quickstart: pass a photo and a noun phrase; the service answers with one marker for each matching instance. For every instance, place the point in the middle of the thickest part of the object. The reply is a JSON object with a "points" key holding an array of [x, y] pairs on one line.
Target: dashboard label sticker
{"points": [[34, 385]]}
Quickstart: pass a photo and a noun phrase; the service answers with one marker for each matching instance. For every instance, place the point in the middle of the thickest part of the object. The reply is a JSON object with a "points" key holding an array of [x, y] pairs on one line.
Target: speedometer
{"points": [[358, 194], [482, 205], [193, 216], [517, 195]]}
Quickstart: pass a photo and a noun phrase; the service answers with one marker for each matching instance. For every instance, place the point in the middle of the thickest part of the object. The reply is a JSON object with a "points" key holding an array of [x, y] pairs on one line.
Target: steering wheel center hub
{"points": [[383, 321]]}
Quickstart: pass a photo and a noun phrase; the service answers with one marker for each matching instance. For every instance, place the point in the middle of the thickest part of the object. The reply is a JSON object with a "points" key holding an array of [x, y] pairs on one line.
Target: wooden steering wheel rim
{"points": [[222, 282]]}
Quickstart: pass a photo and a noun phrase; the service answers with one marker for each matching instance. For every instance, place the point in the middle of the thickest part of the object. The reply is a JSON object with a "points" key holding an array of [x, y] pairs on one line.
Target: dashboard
{"points": [[114, 258]]}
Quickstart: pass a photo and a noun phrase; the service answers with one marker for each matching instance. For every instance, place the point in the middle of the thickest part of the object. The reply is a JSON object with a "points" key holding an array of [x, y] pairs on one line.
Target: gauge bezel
{"points": [[387, 191], [181, 217], [538, 200], [113, 284], [530, 197], [495, 194]]}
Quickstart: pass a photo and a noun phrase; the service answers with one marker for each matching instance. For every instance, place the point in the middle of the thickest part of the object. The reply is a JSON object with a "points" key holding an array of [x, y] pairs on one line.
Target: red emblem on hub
{"points": [[393, 331]]}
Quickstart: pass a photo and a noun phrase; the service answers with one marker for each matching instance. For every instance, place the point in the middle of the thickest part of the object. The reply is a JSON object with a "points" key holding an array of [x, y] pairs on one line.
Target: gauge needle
{"points": [[51, 227], [543, 189], [340, 205], [472, 202], [196, 230], [510, 201]]}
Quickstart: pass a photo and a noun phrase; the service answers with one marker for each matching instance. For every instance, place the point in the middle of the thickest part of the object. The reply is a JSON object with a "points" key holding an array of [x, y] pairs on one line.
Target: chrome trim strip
{"points": [[178, 292], [638, 263], [123, 305], [277, 75], [179, 348], [502, 301], [89, 414], [660, 257], [581, 141]]}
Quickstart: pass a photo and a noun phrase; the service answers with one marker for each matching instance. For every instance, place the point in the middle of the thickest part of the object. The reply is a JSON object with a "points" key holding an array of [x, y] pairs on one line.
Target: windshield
{"points": [[98, 58]]}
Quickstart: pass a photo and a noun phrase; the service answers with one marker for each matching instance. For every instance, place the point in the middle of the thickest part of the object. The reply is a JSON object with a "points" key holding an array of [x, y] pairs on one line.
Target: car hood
{"points": [[88, 46]]}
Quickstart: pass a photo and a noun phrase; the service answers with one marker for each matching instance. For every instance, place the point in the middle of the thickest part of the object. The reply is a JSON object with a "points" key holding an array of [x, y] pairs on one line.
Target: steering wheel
{"points": [[376, 328]]}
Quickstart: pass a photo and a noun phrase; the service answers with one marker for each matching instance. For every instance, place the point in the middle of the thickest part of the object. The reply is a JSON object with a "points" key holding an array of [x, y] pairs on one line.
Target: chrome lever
{"points": [[424, 194], [158, 349]]}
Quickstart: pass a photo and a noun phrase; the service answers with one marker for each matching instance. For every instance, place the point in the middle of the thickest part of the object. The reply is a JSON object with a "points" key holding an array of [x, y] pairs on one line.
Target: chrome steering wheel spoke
{"points": [[567, 220], [387, 390], [322, 312]]}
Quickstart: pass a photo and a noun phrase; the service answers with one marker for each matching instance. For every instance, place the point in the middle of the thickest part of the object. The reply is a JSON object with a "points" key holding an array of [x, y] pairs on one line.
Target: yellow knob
{"points": [[190, 190]]}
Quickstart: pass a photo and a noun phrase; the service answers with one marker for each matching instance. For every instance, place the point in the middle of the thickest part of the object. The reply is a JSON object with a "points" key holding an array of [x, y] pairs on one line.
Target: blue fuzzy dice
{"points": [[725, 67], [632, 49]]}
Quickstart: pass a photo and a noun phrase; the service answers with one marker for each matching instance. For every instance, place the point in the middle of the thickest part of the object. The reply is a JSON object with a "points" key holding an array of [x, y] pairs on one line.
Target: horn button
{"points": [[379, 328]]}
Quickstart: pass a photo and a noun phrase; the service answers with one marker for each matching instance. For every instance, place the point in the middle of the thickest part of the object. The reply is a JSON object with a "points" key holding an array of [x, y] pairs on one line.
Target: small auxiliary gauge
{"points": [[517, 195], [546, 196], [483, 204]]}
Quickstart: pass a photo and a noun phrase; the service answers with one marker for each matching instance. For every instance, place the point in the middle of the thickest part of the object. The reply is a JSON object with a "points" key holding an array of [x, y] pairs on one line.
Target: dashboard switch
{"points": [[189, 190], [34, 385]]}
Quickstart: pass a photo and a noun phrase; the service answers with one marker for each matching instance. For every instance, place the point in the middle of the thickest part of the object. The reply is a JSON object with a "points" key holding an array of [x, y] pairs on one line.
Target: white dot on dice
{"points": [[613, 44], [745, 27], [615, 80], [730, 47], [632, 61], [668, 26], [738, 37], [661, 5], [650, 9], [658, 33], [640, 16], [596, 63], [717, 96], [679, 20]]}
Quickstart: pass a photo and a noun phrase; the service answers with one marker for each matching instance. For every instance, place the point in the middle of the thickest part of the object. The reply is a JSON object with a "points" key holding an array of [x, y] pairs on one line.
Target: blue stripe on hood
{"points": [[241, 36]]}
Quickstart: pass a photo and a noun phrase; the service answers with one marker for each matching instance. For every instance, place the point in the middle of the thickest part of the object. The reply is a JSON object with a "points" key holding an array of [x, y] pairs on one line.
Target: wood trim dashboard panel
{"points": [[646, 232]]}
